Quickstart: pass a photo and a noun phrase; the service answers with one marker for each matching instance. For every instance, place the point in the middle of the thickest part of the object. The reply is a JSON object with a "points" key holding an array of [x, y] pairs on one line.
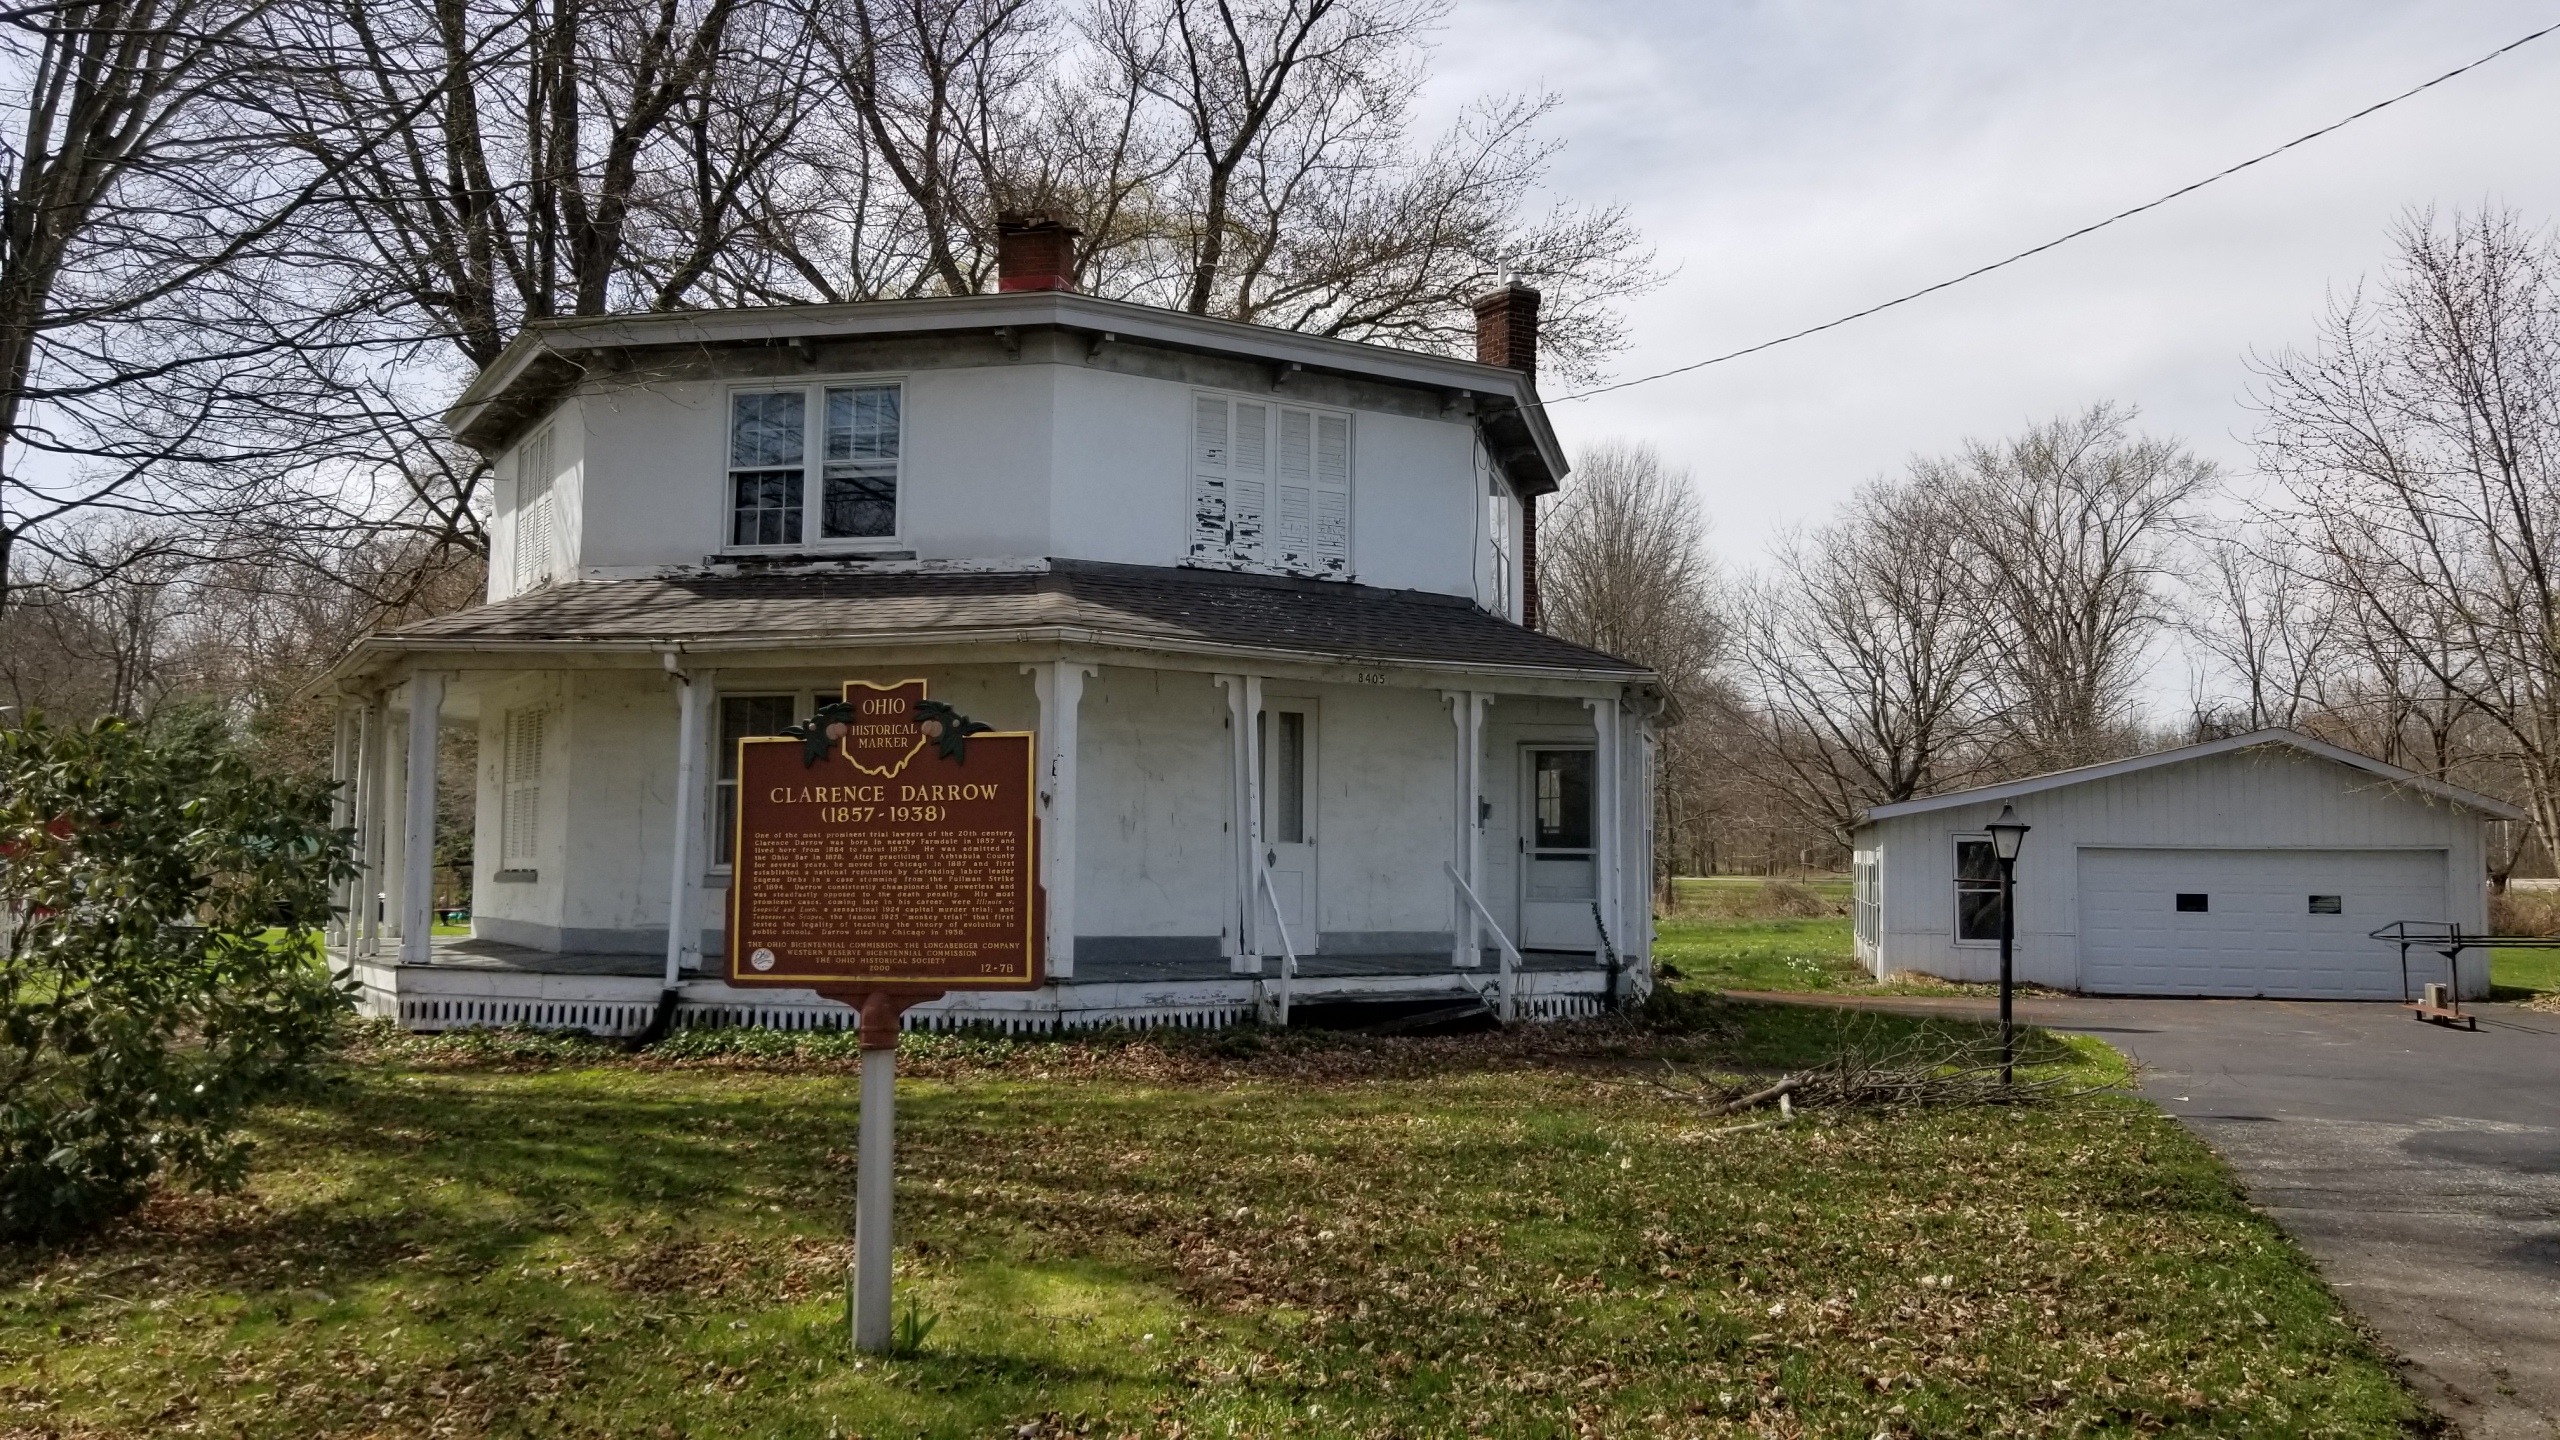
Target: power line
{"points": [[2063, 239]]}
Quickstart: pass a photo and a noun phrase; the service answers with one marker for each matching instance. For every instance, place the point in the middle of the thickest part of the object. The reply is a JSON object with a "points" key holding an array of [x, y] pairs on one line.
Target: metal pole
{"points": [[2008, 934], [873, 1186]]}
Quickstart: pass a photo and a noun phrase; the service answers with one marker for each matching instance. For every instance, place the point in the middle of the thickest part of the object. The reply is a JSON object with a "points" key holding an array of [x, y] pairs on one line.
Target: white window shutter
{"points": [[1333, 495], [533, 512], [1294, 529], [1249, 490], [1209, 503], [520, 816]]}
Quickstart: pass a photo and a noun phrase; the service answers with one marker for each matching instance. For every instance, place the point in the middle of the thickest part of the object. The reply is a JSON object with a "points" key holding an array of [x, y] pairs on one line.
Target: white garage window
{"points": [[1977, 891]]}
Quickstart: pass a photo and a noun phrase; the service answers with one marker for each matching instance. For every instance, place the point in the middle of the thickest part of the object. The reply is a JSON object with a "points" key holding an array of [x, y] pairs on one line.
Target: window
{"points": [[1284, 787], [2328, 904], [1977, 889], [773, 497], [520, 790], [1270, 487], [741, 716], [1563, 783], [1497, 504], [533, 511], [2191, 903]]}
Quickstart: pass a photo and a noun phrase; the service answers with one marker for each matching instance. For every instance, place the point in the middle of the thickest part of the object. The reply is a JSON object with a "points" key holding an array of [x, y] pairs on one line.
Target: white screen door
{"points": [[1287, 732], [1558, 880]]}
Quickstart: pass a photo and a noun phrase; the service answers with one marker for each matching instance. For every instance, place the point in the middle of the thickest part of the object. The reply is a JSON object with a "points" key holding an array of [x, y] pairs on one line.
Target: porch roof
{"points": [[1137, 605]]}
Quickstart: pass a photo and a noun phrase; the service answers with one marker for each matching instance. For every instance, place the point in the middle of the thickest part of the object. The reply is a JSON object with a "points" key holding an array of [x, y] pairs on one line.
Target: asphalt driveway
{"points": [[2419, 1165]]}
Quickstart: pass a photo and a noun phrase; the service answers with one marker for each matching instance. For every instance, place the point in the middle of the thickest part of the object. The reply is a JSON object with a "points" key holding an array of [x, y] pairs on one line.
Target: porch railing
{"points": [[1510, 953], [1288, 952]]}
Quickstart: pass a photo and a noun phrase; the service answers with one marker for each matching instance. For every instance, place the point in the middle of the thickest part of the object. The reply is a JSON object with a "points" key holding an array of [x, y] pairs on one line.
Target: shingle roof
{"points": [[1126, 603]]}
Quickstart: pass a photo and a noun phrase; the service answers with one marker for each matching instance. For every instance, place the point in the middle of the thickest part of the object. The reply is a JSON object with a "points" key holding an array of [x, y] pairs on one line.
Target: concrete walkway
{"points": [[2419, 1165]]}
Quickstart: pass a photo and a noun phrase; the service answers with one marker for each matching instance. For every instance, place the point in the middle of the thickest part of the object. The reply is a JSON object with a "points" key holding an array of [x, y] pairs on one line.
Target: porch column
{"points": [[372, 815], [1060, 685], [1467, 713], [342, 814], [684, 890], [1608, 806], [418, 832], [1244, 704]]}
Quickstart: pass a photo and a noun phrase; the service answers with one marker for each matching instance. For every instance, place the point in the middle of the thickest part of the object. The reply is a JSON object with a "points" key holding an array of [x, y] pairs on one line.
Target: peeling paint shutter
{"points": [[533, 512], [1209, 501], [521, 798], [1294, 531], [1248, 492], [1333, 495]]}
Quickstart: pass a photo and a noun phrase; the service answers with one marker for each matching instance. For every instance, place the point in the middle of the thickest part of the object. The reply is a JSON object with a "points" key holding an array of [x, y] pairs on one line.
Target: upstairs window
{"points": [[534, 523], [789, 487], [1270, 487]]}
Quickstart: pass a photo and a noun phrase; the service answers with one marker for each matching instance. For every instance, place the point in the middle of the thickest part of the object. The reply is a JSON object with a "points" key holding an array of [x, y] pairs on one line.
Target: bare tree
{"points": [[1624, 568], [2070, 527], [2420, 448], [2259, 622], [1867, 659]]}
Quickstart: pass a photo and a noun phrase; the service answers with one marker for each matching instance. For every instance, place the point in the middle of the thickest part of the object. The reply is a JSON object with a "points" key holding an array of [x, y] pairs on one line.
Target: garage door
{"points": [[2251, 922]]}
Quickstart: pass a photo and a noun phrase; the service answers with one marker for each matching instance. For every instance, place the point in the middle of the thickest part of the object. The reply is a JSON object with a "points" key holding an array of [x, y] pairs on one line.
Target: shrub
{"points": [[162, 970]]}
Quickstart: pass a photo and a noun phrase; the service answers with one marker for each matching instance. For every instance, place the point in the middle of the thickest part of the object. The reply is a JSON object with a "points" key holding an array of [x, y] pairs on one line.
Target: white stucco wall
{"points": [[1386, 789], [1008, 461], [2267, 797], [1155, 873]]}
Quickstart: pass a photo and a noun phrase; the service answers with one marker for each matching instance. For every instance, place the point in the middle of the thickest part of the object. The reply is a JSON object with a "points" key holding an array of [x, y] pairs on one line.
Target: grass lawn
{"points": [[1239, 1235], [2524, 974]]}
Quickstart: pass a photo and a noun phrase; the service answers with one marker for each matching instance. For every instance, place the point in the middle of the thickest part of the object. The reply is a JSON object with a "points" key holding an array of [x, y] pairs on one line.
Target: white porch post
{"points": [[1611, 805], [418, 832], [684, 887], [372, 816], [342, 814], [1060, 686], [1244, 703], [1467, 713]]}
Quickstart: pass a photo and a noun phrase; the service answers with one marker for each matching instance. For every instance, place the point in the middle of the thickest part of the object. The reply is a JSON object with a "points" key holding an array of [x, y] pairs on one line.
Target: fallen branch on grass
{"points": [[1909, 1075]]}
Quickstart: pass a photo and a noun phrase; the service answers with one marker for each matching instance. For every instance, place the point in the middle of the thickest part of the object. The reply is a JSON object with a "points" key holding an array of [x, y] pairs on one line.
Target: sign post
{"points": [[886, 854]]}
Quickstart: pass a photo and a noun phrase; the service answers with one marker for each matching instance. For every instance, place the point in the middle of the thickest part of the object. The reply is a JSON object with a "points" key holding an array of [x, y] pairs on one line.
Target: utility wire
{"points": [[2064, 239]]}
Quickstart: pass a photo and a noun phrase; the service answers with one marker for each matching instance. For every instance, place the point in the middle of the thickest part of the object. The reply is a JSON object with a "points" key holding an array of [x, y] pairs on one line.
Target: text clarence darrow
{"points": [[874, 794]]}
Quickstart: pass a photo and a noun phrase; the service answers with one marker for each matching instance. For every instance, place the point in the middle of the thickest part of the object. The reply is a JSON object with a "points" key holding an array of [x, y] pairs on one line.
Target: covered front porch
{"points": [[1229, 831]]}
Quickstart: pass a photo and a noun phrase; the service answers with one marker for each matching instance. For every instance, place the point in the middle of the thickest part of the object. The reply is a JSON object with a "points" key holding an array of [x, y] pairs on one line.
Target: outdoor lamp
{"points": [[2006, 833]]}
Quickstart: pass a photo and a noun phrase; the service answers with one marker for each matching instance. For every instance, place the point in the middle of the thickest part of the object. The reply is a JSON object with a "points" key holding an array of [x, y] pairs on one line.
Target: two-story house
{"points": [[1261, 596]]}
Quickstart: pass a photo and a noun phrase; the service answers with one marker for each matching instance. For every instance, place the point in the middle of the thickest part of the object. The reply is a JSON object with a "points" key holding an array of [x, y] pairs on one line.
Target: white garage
{"points": [[2257, 865]]}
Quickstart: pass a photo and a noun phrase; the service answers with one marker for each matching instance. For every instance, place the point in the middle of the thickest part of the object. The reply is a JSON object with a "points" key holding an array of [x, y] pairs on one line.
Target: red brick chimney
{"points": [[1507, 335], [1035, 252]]}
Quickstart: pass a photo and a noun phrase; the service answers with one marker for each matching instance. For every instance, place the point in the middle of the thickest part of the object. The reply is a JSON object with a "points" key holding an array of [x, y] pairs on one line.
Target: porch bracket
{"points": [[1510, 953]]}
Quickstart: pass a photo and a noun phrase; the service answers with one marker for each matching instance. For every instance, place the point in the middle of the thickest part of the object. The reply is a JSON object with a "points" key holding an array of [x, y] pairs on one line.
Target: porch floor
{"points": [[459, 952]]}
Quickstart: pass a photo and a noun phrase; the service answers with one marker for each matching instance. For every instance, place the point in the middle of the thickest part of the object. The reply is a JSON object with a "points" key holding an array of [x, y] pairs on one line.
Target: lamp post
{"points": [[2007, 833]]}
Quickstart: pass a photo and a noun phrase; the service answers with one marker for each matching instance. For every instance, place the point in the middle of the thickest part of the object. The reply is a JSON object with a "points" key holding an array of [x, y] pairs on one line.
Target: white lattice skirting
{"points": [[435, 997]]}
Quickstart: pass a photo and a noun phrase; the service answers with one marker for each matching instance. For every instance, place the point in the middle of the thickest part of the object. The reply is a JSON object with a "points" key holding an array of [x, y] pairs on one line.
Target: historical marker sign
{"points": [[890, 846]]}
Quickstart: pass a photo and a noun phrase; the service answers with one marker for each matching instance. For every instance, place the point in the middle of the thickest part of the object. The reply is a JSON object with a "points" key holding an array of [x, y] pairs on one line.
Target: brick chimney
{"points": [[1035, 252], [1507, 335]]}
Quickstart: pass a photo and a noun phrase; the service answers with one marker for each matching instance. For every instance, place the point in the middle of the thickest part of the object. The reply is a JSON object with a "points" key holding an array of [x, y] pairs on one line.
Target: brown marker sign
{"points": [[889, 846]]}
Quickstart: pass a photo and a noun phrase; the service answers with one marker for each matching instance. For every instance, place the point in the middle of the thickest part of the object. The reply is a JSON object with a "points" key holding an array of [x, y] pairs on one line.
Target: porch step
{"points": [[1450, 1012]]}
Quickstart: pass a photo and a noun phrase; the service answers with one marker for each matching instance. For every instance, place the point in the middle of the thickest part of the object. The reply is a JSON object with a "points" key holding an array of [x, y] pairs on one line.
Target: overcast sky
{"points": [[1794, 162]]}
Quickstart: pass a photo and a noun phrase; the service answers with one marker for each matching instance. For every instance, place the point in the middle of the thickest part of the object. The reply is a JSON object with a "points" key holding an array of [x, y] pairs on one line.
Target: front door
{"points": [[1287, 732], [1559, 876]]}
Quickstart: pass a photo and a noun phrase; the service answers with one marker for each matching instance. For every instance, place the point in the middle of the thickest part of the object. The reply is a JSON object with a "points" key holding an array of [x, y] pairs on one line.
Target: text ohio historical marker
{"points": [[886, 845]]}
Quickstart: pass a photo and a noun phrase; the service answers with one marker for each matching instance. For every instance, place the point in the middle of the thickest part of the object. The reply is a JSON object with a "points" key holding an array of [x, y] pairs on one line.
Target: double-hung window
{"points": [[742, 717], [1977, 889], [1270, 487], [814, 464]]}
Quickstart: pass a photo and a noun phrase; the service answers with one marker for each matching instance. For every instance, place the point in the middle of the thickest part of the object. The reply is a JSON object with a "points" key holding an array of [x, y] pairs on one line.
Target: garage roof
{"points": [[2011, 789]]}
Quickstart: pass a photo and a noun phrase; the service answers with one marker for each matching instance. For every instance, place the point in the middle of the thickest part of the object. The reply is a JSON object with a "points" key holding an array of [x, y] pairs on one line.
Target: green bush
{"points": [[162, 968]]}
